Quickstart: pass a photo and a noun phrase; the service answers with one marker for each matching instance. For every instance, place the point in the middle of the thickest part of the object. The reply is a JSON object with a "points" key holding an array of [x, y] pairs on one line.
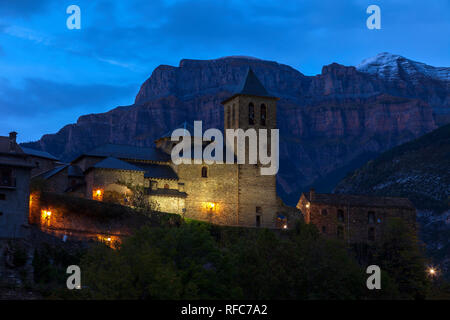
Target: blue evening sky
{"points": [[50, 75]]}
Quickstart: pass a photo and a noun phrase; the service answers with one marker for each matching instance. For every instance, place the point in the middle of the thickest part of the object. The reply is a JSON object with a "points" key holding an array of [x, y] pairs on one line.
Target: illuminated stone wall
{"points": [[102, 178], [213, 199], [80, 218], [257, 197], [258, 204], [169, 204]]}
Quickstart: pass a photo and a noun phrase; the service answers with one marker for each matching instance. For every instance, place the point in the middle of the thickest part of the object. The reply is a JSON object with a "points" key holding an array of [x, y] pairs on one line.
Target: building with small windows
{"points": [[353, 218], [225, 194], [15, 168]]}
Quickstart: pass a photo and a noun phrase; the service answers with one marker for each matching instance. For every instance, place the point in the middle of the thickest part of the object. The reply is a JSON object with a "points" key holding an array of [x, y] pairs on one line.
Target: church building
{"points": [[225, 194]]}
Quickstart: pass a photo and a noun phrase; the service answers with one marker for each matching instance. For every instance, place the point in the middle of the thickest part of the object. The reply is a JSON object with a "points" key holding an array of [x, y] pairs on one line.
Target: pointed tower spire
{"points": [[252, 86]]}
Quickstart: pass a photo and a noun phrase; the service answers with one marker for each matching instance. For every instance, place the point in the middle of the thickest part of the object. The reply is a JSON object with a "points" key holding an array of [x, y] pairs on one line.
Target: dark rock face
{"points": [[327, 122]]}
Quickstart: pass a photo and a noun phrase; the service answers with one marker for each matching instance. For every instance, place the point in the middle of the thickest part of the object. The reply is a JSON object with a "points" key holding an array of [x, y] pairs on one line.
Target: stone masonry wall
{"points": [[102, 178], [355, 224], [219, 188]]}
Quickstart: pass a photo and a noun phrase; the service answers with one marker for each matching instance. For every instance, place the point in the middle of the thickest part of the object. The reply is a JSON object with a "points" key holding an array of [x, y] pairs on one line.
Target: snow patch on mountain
{"points": [[393, 67]]}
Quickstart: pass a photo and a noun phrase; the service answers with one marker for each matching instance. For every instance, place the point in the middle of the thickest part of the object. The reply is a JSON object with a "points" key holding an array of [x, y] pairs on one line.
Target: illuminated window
{"points": [[166, 186], [204, 172], [340, 215], [263, 114], [251, 113]]}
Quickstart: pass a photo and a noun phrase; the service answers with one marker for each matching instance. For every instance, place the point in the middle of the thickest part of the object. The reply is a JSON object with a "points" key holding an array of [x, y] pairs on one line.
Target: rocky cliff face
{"points": [[329, 123]]}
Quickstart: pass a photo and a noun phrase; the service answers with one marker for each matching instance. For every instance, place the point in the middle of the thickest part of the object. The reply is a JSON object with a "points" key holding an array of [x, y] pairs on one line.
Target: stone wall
{"points": [[258, 205], [102, 178], [82, 218], [257, 197], [213, 199], [41, 165], [14, 206], [352, 223], [59, 182], [169, 204]]}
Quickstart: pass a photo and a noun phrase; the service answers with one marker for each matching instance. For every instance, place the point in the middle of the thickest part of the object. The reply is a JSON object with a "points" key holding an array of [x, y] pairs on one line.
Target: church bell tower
{"points": [[252, 107]]}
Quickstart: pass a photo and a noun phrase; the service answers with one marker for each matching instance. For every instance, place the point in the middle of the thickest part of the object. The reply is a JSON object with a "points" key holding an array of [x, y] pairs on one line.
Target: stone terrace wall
{"points": [[83, 218]]}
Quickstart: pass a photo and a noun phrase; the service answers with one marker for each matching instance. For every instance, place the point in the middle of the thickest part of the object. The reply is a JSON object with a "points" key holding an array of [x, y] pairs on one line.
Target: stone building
{"points": [[63, 178], [353, 218], [15, 168], [226, 194], [42, 161]]}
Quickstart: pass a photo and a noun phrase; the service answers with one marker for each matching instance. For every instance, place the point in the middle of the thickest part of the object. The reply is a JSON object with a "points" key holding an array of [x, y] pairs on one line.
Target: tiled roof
{"points": [[50, 173], [156, 170], [38, 153], [73, 171], [128, 152], [113, 163], [359, 200], [167, 193]]}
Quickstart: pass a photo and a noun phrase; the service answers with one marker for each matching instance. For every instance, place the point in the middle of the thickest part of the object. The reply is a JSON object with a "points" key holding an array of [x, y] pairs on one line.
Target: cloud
{"points": [[26, 33], [38, 96]]}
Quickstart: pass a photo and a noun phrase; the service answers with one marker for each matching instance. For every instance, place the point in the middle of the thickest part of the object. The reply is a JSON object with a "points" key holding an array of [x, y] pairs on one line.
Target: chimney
{"points": [[312, 193], [12, 141]]}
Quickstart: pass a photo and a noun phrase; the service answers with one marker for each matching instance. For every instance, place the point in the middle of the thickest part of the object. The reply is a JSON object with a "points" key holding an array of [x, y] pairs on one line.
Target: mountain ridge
{"points": [[326, 121]]}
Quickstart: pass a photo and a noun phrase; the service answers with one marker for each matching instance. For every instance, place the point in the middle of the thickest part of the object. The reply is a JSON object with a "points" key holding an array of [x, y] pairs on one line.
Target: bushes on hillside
{"points": [[199, 261]]}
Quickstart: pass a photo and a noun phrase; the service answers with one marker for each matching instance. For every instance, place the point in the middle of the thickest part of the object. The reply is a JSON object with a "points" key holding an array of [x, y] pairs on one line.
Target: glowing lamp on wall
{"points": [[210, 206], [307, 205], [97, 194], [46, 214]]}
